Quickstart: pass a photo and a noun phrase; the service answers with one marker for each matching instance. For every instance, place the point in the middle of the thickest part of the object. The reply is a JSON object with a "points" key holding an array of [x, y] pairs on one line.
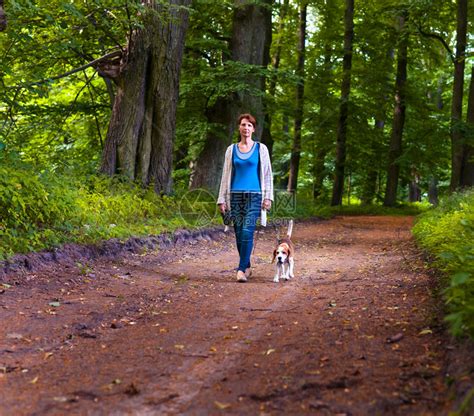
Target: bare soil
{"points": [[170, 332]]}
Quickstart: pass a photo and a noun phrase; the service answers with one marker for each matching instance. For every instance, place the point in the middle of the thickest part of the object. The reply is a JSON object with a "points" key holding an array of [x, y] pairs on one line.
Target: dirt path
{"points": [[167, 333]]}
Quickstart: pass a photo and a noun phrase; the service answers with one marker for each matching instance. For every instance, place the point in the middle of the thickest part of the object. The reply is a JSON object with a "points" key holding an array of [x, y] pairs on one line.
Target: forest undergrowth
{"points": [[447, 233]]}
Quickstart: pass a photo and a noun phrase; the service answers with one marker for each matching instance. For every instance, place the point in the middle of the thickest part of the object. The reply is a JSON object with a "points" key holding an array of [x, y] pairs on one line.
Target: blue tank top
{"points": [[245, 170]]}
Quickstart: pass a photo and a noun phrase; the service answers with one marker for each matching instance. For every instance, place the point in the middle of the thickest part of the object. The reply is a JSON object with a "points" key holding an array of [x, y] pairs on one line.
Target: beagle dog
{"points": [[283, 255]]}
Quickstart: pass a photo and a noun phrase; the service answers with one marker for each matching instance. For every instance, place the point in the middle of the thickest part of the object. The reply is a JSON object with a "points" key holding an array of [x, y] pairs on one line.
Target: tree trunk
{"points": [[249, 45], [140, 137], [433, 191], [267, 138], [209, 165], [296, 149], [467, 171], [456, 106], [369, 187], [414, 191], [323, 142], [3, 17], [395, 151], [340, 162]]}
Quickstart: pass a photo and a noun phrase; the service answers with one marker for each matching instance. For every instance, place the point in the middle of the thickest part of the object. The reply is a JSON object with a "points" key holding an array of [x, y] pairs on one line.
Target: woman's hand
{"points": [[267, 204], [223, 208]]}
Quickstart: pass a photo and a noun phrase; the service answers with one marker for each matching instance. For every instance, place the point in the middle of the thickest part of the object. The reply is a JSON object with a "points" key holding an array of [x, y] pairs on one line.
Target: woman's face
{"points": [[246, 128]]}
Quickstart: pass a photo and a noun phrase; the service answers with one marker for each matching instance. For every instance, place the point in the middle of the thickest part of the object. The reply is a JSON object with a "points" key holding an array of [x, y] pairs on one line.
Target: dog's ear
{"points": [[274, 255]]}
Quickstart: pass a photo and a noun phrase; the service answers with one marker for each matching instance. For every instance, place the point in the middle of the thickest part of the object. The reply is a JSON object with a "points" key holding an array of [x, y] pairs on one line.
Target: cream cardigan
{"points": [[266, 176]]}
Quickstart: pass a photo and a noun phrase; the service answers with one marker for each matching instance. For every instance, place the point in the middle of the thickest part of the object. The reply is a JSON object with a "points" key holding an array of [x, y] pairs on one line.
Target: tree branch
{"points": [[438, 37], [81, 68]]}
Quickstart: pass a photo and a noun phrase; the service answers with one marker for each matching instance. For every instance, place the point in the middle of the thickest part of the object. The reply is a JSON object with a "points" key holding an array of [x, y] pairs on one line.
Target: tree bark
{"points": [[3, 17], [296, 149], [139, 142], [340, 162], [395, 150], [323, 142], [267, 138], [369, 187], [414, 191], [433, 191], [249, 45], [456, 105], [467, 170]]}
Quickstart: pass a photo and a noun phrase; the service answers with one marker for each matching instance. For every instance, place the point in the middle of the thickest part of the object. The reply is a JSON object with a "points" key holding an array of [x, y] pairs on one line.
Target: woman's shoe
{"points": [[248, 272], [241, 276]]}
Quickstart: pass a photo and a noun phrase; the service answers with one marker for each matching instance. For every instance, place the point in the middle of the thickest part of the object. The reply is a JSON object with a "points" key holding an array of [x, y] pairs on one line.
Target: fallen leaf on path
{"points": [[61, 399], [34, 381], [47, 355], [313, 372], [270, 351], [221, 406], [425, 332], [179, 347], [54, 304]]}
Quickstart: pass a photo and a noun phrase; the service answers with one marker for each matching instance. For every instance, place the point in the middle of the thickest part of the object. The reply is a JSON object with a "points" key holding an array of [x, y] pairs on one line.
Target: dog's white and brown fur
{"points": [[283, 255]]}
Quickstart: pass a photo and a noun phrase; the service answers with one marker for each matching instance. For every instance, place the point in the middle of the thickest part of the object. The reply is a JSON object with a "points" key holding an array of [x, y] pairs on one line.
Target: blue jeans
{"points": [[245, 210]]}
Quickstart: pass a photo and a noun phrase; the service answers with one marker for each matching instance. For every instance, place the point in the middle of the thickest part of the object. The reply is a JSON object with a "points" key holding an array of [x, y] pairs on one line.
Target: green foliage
{"points": [[448, 233], [41, 211], [304, 206]]}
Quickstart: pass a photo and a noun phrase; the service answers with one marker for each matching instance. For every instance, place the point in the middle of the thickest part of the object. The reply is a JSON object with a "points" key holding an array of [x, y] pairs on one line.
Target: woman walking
{"points": [[246, 189]]}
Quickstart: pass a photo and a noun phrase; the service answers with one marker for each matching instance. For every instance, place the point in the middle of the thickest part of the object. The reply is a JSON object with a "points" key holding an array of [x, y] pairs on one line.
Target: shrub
{"points": [[41, 211], [447, 232]]}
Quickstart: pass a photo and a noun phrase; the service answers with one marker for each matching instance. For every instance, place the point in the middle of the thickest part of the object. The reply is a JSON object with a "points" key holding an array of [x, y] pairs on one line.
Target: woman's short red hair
{"points": [[250, 118]]}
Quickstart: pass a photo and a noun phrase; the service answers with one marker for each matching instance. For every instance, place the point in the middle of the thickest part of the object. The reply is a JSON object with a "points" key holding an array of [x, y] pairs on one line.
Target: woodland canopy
{"points": [[371, 101]]}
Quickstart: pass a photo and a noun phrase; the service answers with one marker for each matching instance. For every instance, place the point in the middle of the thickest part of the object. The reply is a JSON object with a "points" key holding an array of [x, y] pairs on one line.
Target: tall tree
{"points": [[467, 171], [267, 138], [344, 105], [296, 148], [395, 150], [249, 45], [458, 88], [140, 136], [322, 146]]}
